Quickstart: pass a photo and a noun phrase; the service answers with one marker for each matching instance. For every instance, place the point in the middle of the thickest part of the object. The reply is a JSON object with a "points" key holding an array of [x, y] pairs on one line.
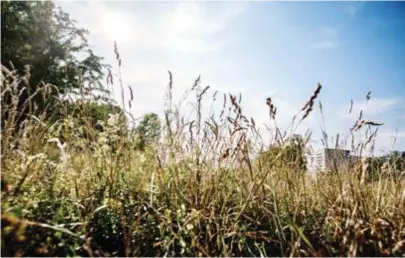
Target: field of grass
{"points": [[202, 190]]}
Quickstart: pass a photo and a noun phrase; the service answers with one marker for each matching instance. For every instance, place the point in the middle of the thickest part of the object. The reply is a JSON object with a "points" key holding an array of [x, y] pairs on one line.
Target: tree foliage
{"points": [[148, 130], [291, 155], [397, 160], [92, 111], [43, 43], [86, 116]]}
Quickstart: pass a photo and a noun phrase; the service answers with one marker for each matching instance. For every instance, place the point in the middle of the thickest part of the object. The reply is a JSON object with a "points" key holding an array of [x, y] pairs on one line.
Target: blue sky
{"points": [[262, 49]]}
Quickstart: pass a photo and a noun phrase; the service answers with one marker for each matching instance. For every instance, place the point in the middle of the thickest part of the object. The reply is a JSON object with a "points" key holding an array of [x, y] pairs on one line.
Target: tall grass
{"points": [[202, 190]]}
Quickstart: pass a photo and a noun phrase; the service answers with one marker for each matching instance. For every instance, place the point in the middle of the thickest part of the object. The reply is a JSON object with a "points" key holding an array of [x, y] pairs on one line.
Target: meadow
{"points": [[206, 187]]}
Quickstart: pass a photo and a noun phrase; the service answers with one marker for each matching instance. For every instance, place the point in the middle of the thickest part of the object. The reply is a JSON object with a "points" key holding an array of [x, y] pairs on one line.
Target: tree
{"points": [[88, 117], [88, 110], [393, 163], [294, 153], [37, 34], [148, 130], [291, 155], [396, 160], [374, 168]]}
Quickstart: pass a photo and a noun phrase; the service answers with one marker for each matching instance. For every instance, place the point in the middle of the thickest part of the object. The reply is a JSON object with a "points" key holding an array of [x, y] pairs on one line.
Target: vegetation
{"points": [[43, 43], [83, 182], [148, 131]]}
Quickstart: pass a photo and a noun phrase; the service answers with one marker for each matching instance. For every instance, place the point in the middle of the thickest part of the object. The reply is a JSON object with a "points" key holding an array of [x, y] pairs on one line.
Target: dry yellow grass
{"points": [[201, 191]]}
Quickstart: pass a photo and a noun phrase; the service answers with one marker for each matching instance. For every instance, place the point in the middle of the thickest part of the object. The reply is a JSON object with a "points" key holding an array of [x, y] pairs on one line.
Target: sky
{"points": [[261, 49]]}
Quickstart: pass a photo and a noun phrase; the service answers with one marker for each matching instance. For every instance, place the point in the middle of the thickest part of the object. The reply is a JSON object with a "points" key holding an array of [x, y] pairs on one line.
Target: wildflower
{"points": [[113, 119]]}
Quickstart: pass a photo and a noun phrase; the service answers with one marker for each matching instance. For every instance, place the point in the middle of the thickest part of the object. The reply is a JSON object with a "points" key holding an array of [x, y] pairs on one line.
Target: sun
{"points": [[117, 27]]}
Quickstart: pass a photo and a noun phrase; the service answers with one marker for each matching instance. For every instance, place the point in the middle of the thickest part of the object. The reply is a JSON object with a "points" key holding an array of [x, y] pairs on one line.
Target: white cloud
{"points": [[394, 134], [389, 140], [192, 27], [183, 26], [377, 110], [177, 36], [371, 107], [376, 105], [188, 38]]}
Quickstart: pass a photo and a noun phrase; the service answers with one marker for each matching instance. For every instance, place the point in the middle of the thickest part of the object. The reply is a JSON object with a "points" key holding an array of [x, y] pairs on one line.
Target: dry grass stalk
{"points": [[272, 108], [368, 95], [360, 124], [351, 106], [309, 105], [209, 196]]}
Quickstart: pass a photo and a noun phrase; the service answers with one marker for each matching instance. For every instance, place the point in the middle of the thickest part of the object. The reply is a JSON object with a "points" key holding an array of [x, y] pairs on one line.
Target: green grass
{"points": [[186, 195]]}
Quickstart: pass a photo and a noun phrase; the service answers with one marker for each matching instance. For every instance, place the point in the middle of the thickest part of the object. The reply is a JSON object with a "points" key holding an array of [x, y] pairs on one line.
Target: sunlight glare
{"points": [[117, 27]]}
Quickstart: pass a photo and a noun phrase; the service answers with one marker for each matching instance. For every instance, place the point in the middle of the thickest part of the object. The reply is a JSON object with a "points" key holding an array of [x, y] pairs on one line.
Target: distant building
{"points": [[327, 159]]}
